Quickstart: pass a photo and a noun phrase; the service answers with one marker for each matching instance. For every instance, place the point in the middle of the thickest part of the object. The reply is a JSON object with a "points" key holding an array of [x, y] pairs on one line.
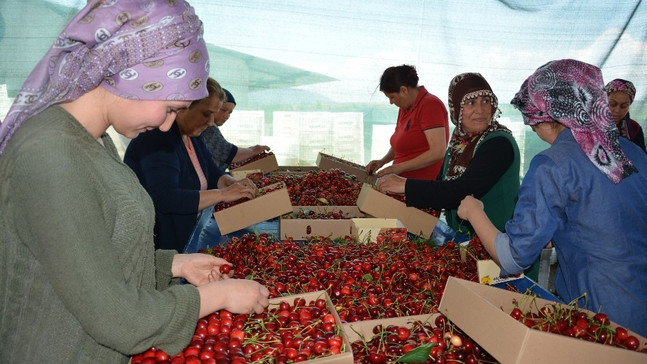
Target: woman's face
{"points": [[401, 99], [619, 103], [132, 117], [225, 111], [193, 121], [477, 114]]}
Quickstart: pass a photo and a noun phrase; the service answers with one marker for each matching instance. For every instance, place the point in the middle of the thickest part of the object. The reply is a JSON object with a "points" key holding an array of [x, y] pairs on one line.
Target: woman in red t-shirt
{"points": [[421, 132]]}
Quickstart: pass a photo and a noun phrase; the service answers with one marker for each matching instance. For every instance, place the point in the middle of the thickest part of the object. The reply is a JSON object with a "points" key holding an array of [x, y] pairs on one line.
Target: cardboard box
{"points": [[345, 357], [240, 174], [325, 161], [377, 204], [483, 313], [488, 271], [266, 164], [363, 330], [264, 207], [367, 229], [299, 229]]}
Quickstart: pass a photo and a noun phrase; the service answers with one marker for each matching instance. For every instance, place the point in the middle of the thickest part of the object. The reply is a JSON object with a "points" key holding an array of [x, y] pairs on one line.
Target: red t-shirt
{"points": [[409, 140]]}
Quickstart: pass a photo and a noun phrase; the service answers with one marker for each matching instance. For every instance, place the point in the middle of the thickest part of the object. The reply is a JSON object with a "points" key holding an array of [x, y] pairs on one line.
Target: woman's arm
{"points": [[491, 161], [437, 145], [244, 154], [376, 164]]}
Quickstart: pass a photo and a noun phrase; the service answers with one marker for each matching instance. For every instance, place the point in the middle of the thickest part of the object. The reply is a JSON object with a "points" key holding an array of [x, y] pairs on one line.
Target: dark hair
{"points": [[214, 89], [395, 77]]}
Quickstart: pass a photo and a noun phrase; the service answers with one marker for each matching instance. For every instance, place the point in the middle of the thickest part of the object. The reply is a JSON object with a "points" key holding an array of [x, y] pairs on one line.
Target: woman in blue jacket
{"points": [[586, 193], [177, 170]]}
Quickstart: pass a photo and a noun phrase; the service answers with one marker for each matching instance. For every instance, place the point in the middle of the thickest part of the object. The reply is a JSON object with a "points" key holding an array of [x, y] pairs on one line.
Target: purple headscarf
{"points": [[136, 49], [620, 85], [572, 93]]}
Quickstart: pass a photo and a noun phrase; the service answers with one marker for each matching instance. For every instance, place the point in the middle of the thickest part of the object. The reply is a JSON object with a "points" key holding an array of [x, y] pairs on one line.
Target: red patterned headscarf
{"points": [[572, 93], [136, 49]]}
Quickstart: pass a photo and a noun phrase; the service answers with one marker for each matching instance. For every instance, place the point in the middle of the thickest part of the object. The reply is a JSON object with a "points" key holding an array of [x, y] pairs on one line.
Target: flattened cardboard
{"points": [[345, 357], [264, 207], [266, 164], [367, 229], [377, 204], [300, 229], [483, 313], [325, 161]]}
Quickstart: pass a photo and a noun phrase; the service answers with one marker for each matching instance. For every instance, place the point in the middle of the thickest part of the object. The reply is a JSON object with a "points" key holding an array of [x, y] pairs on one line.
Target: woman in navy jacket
{"points": [[179, 174]]}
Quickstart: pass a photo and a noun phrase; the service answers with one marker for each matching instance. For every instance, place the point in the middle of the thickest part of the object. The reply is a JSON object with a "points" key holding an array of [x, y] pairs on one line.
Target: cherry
{"points": [[225, 268]]}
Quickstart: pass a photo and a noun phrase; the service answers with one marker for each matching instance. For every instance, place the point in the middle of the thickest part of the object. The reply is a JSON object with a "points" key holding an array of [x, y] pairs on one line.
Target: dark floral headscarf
{"points": [[462, 145], [620, 85], [572, 93]]}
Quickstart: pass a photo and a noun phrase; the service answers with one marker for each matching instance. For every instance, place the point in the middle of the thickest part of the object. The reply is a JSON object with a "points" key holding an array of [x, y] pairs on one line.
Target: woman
{"points": [[482, 160], [586, 193], [223, 152], [176, 169], [621, 95], [421, 132], [81, 281]]}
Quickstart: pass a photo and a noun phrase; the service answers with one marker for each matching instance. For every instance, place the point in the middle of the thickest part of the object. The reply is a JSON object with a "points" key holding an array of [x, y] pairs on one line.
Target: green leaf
{"points": [[417, 355], [323, 200], [367, 277]]}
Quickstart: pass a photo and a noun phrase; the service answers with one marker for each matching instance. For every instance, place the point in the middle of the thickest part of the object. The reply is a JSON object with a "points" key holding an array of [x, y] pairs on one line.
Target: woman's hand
{"points": [[246, 182], [391, 183], [237, 191], [198, 268], [373, 166], [468, 207], [258, 149], [240, 296]]}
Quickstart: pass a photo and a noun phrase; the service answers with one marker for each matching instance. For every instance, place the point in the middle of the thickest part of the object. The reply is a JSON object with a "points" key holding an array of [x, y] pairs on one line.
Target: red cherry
{"points": [[225, 268]]}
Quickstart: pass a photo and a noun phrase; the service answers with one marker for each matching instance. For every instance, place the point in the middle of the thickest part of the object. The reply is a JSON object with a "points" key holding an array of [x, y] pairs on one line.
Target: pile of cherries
{"points": [[318, 215], [284, 333], [250, 160], [392, 277], [403, 199], [421, 342], [332, 187]]}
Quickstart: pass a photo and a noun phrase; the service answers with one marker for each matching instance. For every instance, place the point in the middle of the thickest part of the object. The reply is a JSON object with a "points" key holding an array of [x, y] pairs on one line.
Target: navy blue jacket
{"points": [[164, 168]]}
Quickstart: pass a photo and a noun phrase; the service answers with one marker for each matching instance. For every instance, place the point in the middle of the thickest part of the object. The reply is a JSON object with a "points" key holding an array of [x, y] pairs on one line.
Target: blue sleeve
{"points": [[538, 214]]}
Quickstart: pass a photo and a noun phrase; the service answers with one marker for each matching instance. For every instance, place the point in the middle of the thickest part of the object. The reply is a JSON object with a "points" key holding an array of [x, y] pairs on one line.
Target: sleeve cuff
{"points": [[163, 272], [504, 253]]}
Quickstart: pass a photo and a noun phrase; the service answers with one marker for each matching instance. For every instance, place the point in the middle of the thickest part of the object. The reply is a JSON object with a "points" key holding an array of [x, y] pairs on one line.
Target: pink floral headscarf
{"points": [[620, 85], [572, 93], [136, 49]]}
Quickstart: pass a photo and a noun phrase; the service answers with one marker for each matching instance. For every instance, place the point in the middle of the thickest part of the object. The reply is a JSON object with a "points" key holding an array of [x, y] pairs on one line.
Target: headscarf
{"points": [[136, 49], [572, 93], [464, 87], [620, 85], [230, 97]]}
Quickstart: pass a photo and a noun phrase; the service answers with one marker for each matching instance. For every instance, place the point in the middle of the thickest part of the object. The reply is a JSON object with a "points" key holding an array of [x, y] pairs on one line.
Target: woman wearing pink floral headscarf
{"points": [[621, 95], [81, 280], [586, 193]]}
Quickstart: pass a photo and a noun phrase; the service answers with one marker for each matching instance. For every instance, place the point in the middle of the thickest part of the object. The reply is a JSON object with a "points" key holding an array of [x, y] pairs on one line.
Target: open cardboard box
{"points": [[264, 207], [377, 204], [488, 271], [363, 330], [239, 174], [346, 356], [367, 229], [299, 229], [266, 164], [483, 313], [325, 161]]}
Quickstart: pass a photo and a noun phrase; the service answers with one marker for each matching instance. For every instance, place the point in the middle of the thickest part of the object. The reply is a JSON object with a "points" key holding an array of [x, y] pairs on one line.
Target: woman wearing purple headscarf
{"points": [[81, 280], [586, 193], [621, 95]]}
